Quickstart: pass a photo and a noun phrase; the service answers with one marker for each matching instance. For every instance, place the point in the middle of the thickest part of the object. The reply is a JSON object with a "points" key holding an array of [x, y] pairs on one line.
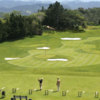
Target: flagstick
{"points": [[45, 52]]}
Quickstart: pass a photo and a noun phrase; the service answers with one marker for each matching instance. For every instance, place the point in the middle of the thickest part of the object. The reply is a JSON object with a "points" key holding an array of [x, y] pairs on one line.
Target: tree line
{"points": [[78, 19], [92, 15], [61, 19], [16, 26]]}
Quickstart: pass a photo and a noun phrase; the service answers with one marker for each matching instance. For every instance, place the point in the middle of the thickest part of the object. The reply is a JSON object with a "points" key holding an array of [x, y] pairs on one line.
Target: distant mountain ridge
{"points": [[75, 4], [14, 3], [30, 7], [25, 9]]}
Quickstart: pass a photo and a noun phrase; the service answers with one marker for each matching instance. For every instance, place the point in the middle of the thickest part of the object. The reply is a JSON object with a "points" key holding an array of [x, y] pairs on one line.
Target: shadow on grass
{"points": [[55, 91], [38, 90], [1, 97]]}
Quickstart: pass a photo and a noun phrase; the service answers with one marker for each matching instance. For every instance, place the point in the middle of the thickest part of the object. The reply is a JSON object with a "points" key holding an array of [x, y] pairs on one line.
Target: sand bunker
{"points": [[70, 38], [43, 48], [57, 59], [11, 58]]}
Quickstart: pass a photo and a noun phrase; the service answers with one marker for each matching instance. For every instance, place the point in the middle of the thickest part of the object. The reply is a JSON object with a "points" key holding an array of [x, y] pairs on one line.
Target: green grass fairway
{"points": [[80, 73]]}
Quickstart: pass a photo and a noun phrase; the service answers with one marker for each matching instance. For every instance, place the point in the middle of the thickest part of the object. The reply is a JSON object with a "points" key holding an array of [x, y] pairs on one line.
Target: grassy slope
{"points": [[81, 72]]}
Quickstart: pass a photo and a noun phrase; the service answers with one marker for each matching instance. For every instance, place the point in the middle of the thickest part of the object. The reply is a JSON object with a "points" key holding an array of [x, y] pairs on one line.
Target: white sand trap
{"points": [[57, 59], [11, 58], [43, 48], [70, 38]]}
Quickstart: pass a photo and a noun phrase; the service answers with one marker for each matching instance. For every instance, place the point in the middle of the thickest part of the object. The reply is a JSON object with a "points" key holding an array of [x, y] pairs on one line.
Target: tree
{"points": [[54, 15], [92, 15], [73, 20], [61, 19], [17, 26], [3, 31]]}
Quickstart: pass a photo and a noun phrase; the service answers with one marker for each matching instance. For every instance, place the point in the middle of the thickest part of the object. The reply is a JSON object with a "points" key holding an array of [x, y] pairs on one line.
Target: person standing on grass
{"points": [[58, 84], [40, 82]]}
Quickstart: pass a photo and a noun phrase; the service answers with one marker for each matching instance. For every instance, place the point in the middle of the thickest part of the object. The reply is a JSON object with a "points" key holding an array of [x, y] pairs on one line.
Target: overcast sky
{"points": [[62, 0], [53, 0]]}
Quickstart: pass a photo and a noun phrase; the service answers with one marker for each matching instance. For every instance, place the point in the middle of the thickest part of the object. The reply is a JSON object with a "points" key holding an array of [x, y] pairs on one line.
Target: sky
{"points": [[61, 0], [53, 0]]}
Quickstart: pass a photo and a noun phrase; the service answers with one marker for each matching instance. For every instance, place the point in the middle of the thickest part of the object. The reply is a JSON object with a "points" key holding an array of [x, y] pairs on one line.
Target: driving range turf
{"points": [[80, 73]]}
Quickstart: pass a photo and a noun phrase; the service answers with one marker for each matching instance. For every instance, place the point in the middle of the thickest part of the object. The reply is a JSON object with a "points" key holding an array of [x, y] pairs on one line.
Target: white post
{"points": [[45, 52]]}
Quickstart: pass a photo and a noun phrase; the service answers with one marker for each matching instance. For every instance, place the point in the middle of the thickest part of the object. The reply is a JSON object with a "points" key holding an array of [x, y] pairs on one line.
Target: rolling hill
{"points": [[33, 6], [80, 73]]}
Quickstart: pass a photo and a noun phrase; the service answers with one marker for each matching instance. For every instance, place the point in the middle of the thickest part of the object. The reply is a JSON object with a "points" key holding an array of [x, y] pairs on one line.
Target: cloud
{"points": [[59, 0], [51, 0]]}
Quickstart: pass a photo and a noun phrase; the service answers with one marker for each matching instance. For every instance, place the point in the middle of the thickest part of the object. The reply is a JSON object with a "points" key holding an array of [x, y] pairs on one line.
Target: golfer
{"points": [[58, 84], [40, 82]]}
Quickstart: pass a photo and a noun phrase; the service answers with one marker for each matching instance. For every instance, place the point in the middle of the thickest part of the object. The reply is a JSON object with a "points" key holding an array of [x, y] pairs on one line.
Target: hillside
{"points": [[87, 48], [78, 4], [22, 64], [25, 9], [33, 6]]}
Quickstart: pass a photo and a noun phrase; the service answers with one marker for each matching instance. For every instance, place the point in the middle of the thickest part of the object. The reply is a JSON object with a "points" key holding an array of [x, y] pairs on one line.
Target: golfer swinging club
{"points": [[40, 83]]}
